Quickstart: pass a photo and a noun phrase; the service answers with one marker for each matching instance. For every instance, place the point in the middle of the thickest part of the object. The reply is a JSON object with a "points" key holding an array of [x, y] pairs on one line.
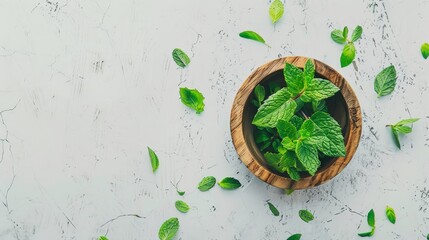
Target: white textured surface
{"points": [[92, 83]]}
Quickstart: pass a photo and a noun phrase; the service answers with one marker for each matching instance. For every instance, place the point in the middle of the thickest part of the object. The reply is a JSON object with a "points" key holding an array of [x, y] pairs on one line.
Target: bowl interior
{"points": [[337, 107]]}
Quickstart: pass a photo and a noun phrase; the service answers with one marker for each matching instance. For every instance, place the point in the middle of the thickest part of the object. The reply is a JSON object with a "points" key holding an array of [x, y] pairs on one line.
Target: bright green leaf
{"points": [[371, 218], [407, 121], [206, 183], [168, 229], [153, 159], [294, 78], [259, 93], [286, 129], [293, 173], [180, 57], [385, 81], [306, 216], [252, 36], [229, 183], [309, 71], [181, 206], [103, 238], [403, 129], [348, 55], [192, 98], [425, 50], [357, 33], [276, 10], [308, 156], [337, 36], [367, 234], [345, 32], [295, 237], [390, 213], [319, 89]]}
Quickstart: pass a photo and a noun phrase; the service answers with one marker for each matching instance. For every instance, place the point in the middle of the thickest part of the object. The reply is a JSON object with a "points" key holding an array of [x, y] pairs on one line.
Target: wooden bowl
{"points": [[343, 107]]}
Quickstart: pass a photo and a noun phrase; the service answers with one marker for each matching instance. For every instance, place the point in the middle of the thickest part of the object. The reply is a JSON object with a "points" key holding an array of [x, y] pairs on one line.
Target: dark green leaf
{"points": [[192, 98], [307, 155], [357, 33], [367, 234], [385, 81], [153, 159], [259, 93], [252, 35], [371, 218], [103, 238], [295, 237], [296, 121], [168, 229], [390, 213], [229, 183], [345, 32], [181, 206], [396, 137], [206, 183], [319, 89], [348, 55], [425, 50], [306, 216], [181, 193], [180, 57], [319, 106], [294, 78], [309, 71], [276, 10], [337, 36], [273, 209]]}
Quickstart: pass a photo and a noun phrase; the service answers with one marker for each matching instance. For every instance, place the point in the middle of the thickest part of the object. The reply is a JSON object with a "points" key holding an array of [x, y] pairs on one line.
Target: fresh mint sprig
{"points": [[401, 128], [371, 223], [349, 51]]}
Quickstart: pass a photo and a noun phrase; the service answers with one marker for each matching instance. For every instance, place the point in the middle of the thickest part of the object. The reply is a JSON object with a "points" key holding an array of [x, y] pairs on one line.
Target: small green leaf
{"points": [[407, 121], [229, 183], [273, 209], [181, 193], [278, 106], [181, 206], [385, 81], [276, 10], [337, 36], [168, 229], [371, 218], [294, 78], [345, 32], [308, 156], [295, 237], [306, 216], [286, 129], [259, 93], [390, 213], [296, 121], [180, 57], [206, 183], [403, 129], [396, 137], [153, 159], [293, 173], [425, 50], [289, 191], [348, 55], [319, 89], [103, 238], [252, 36], [192, 98], [367, 234], [357, 33]]}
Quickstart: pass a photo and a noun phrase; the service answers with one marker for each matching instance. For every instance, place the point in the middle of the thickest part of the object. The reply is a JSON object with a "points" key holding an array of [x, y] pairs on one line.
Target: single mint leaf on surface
{"points": [[396, 137], [400, 128], [385, 81], [306, 216], [295, 237], [407, 121], [192, 98], [252, 36], [332, 140], [337, 36], [273, 209], [153, 159], [294, 78], [181, 206], [181, 193], [319, 89], [346, 32], [278, 106], [367, 234], [309, 71], [180, 57], [259, 94], [286, 129], [229, 183], [276, 10], [371, 218], [357, 33], [103, 238], [425, 50], [168, 229], [206, 183], [390, 213], [308, 156], [348, 55], [403, 129]]}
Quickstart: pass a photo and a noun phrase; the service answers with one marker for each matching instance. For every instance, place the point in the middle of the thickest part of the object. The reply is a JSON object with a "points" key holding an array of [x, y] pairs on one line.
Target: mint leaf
{"points": [[307, 155], [288, 144], [153, 159], [319, 89], [371, 218], [192, 98], [180, 57], [294, 78], [346, 32], [396, 137], [206, 183], [296, 121], [295, 237], [229, 183], [103, 238], [168, 229], [385, 81], [390, 213], [306, 216], [286, 129], [367, 234], [425, 50], [259, 93], [181, 206], [252, 36], [289, 191], [407, 121], [400, 128], [273, 209], [357, 33], [337, 36], [403, 129], [276, 10], [331, 138], [278, 106], [293, 173], [319, 106], [309, 71], [181, 193], [348, 54]]}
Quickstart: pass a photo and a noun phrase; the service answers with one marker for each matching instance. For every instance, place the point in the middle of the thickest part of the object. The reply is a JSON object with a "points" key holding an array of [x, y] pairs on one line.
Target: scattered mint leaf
{"points": [[153, 159], [103, 238], [252, 36], [357, 33], [427, 237], [181, 206], [406, 121], [180, 57], [396, 138], [206, 183], [276, 10], [385, 81], [229, 183], [181, 193], [192, 98], [273, 209], [371, 218], [259, 92], [348, 55], [390, 213], [294, 78], [400, 128], [319, 89], [278, 106], [168, 229], [295, 237], [337, 36], [308, 156], [306, 216], [425, 50], [367, 234], [346, 32]]}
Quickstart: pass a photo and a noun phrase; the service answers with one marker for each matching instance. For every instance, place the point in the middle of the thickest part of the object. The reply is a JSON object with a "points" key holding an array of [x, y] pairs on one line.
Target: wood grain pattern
{"points": [[344, 107]]}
